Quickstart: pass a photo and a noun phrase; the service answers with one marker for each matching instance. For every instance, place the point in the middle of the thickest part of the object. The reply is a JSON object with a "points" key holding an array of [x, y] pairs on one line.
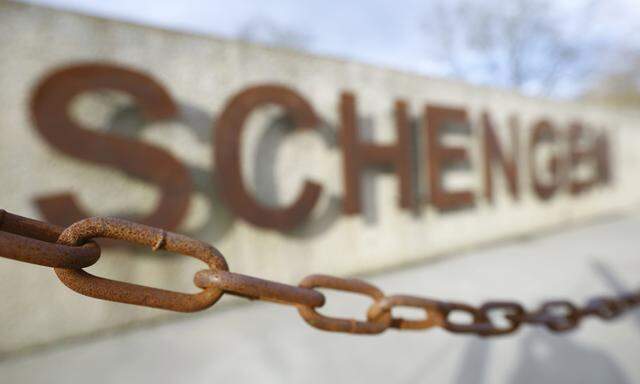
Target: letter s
{"points": [[49, 106]]}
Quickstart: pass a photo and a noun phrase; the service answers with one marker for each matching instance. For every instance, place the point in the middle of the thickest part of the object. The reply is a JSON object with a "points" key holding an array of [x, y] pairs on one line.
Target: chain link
{"points": [[70, 249], [34, 242], [101, 288]]}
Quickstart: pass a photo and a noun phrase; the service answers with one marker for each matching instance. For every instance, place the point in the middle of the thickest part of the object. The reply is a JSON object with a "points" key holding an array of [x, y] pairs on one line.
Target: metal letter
{"points": [[439, 156], [49, 106], [357, 155], [493, 153], [543, 131], [228, 143]]}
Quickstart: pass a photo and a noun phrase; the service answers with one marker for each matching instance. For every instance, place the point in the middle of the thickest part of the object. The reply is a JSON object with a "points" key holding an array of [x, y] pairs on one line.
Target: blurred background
{"points": [[560, 49], [564, 61]]}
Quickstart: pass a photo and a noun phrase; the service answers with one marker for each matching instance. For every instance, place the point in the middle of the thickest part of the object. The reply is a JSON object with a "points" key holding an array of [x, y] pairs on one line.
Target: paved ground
{"points": [[269, 344]]}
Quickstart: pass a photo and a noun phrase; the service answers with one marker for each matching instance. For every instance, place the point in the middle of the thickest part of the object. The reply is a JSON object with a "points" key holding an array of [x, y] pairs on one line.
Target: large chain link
{"points": [[70, 249]]}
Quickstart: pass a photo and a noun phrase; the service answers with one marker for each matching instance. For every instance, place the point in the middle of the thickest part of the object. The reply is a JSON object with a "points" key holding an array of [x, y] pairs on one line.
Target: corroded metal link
{"points": [[433, 317], [71, 249], [101, 288], [313, 318], [563, 322], [33, 241], [27, 227], [480, 324], [605, 307], [258, 289], [631, 299], [513, 314]]}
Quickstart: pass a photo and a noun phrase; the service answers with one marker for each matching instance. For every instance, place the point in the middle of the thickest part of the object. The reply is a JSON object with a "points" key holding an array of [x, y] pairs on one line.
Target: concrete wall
{"points": [[201, 73]]}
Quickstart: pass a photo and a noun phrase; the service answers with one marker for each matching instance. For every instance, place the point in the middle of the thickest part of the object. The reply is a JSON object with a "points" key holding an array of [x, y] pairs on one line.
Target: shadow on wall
{"points": [[549, 358], [545, 357], [615, 284], [265, 176], [127, 121]]}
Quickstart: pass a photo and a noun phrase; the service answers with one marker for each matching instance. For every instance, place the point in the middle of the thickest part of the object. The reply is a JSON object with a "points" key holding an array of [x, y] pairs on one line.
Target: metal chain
{"points": [[70, 249]]}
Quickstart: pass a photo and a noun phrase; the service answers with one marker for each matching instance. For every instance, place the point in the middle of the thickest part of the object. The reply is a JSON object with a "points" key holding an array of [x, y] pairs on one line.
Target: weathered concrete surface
{"points": [[268, 343], [202, 73]]}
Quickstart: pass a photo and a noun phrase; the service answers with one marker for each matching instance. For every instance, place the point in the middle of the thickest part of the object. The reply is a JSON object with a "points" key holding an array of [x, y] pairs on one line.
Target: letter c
{"points": [[228, 132]]}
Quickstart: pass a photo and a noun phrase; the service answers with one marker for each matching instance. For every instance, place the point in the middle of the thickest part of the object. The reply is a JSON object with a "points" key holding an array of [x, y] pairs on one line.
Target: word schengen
{"points": [[569, 159]]}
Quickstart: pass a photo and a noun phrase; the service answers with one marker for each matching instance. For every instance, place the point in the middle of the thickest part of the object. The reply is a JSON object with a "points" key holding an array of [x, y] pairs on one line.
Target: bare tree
{"points": [[266, 31], [620, 86], [531, 45]]}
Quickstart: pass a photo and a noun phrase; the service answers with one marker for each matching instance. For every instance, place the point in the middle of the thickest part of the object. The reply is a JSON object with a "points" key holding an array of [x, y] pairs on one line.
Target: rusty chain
{"points": [[70, 249]]}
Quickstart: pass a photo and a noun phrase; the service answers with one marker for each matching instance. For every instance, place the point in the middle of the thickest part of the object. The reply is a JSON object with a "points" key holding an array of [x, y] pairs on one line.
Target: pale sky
{"points": [[386, 33]]}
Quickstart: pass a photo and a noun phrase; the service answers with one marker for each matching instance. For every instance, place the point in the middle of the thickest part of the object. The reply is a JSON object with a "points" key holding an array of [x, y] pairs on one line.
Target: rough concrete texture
{"points": [[268, 343], [201, 73]]}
